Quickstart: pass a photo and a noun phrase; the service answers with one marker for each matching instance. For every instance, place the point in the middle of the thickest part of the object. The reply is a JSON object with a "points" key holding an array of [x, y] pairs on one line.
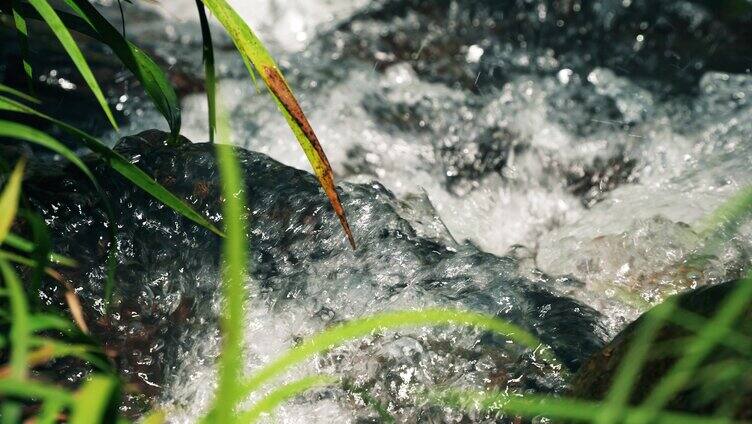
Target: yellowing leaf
{"points": [[253, 50], [9, 199]]}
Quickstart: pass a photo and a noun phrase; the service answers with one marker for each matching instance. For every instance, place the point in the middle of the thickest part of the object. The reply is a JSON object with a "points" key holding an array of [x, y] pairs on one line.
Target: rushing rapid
{"points": [[551, 162]]}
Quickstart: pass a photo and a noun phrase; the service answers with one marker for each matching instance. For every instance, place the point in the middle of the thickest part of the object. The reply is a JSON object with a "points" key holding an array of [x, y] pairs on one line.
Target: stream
{"points": [[550, 162]]}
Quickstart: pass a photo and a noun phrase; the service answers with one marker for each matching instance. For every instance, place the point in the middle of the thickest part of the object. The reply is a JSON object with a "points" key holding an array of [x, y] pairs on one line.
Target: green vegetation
{"points": [[36, 336]]}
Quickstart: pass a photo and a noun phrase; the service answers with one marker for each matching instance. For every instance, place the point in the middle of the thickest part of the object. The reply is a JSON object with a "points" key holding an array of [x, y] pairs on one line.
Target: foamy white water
{"points": [[650, 166]]}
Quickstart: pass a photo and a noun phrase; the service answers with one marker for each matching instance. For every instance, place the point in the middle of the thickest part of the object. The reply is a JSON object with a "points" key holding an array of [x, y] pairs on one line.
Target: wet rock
{"points": [[720, 384], [167, 297], [591, 183], [467, 160]]}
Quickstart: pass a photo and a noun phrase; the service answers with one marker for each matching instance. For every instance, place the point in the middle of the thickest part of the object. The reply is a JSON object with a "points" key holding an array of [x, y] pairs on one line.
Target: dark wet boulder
{"points": [[721, 383], [166, 301]]}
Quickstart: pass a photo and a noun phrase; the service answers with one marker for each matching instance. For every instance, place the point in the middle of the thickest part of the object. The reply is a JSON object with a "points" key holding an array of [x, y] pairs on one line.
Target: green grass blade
{"points": [[9, 199], [50, 410], [23, 42], [15, 258], [33, 390], [155, 417], [702, 345], [120, 164], [727, 217], [22, 132], [552, 408], [210, 75], [234, 274], [51, 349], [19, 330], [155, 82], [43, 322], [93, 401], [61, 32], [40, 254], [362, 327], [253, 50], [8, 90], [629, 370], [20, 243], [278, 396]]}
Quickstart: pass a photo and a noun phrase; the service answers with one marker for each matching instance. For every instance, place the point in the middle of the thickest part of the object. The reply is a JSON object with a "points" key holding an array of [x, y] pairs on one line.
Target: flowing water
{"points": [[492, 153]]}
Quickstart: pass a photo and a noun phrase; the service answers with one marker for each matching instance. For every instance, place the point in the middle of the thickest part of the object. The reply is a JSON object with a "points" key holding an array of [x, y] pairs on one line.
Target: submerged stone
{"points": [[303, 274]]}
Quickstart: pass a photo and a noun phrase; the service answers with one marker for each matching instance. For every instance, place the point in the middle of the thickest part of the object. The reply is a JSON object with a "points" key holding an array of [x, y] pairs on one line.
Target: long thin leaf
{"points": [[250, 47], [19, 94], [40, 254], [23, 132], [121, 165], [93, 400], [706, 339], [50, 412], [283, 394], [23, 42], [234, 273], [22, 260], [362, 327], [155, 82], [9, 199], [19, 330], [552, 408], [629, 370], [33, 390], [209, 73], [20, 243], [61, 32]]}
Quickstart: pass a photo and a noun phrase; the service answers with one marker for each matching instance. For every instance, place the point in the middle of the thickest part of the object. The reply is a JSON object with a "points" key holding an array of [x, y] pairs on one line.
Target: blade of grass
{"points": [[40, 254], [48, 350], [155, 417], [61, 32], [234, 273], [10, 413], [93, 400], [50, 410], [209, 73], [43, 321], [9, 199], [628, 372], [26, 246], [33, 390], [706, 339], [31, 263], [8, 90], [362, 327], [155, 82], [23, 132], [282, 394], [552, 408], [251, 48], [22, 33], [19, 330], [121, 165]]}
